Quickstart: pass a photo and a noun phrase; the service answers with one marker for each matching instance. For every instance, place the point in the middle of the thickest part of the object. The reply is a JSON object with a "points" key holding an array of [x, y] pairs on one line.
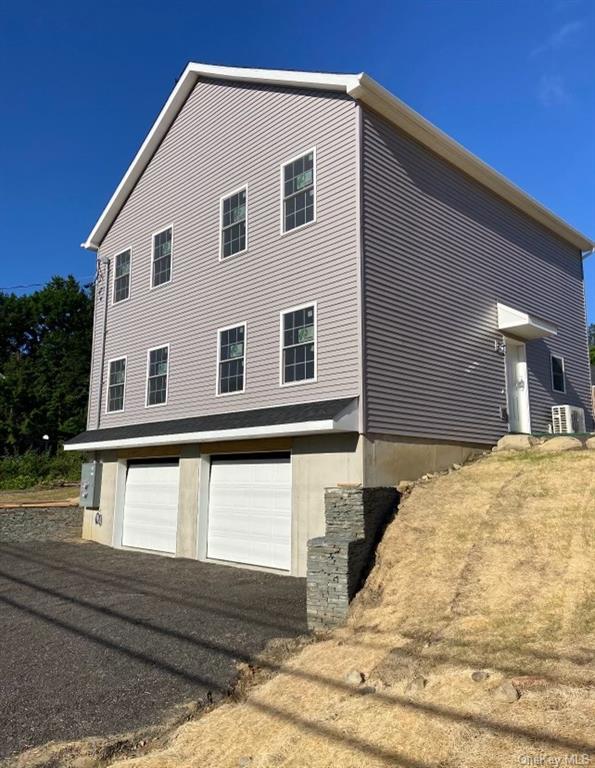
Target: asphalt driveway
{"points": [[96, 641]]}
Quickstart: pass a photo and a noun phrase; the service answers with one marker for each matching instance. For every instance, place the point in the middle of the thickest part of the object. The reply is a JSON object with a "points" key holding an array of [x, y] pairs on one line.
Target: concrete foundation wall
{"points": [[318, 462], [387, 461]]}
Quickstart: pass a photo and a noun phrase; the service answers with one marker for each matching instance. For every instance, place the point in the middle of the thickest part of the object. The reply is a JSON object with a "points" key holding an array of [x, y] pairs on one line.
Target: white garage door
{"points": [[151, 506], [250, 510]]}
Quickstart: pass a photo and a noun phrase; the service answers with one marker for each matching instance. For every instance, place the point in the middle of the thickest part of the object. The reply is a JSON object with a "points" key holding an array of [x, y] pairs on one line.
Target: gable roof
{"points": [[359, 87]]}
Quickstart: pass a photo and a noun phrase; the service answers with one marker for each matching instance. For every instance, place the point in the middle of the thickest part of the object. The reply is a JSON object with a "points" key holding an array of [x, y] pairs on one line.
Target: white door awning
{"points": [[523, 325]]}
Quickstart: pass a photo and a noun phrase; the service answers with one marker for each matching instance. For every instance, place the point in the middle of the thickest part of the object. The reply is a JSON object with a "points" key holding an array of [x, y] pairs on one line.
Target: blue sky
{"points": [[82, 82]]}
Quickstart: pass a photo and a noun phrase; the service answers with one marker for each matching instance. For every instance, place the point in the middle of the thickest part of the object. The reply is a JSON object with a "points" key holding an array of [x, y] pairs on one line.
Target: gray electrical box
{"points": [[90, 484]]}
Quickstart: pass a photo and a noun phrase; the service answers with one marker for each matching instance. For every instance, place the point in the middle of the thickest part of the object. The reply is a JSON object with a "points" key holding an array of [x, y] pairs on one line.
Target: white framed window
{"points": [[116, 385], [157, 376], [231, 359], [298, 344], [558, 373], [122, 270], [233, 215], [161, 256], [298, 191]]}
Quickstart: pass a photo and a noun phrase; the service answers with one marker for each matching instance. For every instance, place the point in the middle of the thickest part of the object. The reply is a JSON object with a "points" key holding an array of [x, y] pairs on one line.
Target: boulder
{"points": [[590, 444], [516, 443], [507, 693], [561, 443], [479, 676], [355, 677]]}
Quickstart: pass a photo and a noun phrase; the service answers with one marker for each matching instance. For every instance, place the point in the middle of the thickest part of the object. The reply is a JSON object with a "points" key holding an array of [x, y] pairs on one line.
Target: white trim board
{"points": [[345, 421], [360, 87], [273, 430]]}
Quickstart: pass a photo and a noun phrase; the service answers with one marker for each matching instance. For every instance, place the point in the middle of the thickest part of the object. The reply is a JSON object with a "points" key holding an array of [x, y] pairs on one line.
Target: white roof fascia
{"points": [[360, 87], [342, 423], [160, 127], [396, 111]]}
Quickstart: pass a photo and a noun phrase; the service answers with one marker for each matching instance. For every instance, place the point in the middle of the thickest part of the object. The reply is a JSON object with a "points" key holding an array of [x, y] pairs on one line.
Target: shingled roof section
{"points": [[260, 417]]}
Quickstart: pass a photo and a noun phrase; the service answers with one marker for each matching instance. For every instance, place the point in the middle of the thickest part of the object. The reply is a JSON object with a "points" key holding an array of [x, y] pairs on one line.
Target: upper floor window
{"points": [[162, 253], [233, 223], [157, 371], [298, 344], [231, 358], [116, 385], [122, 276], [298, 192], [558, 374]]}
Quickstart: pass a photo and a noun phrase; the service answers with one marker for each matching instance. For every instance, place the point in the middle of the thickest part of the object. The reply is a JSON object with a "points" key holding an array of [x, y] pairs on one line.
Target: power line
{"points": [[40, 285]]}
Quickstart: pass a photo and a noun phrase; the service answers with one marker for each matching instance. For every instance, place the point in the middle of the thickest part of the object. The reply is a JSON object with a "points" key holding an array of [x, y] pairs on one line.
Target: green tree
{"points": [[45, 349]]}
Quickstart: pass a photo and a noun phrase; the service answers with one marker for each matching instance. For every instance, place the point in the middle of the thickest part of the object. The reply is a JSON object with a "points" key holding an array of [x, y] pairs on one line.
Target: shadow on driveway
{"points": [[96, 641]]}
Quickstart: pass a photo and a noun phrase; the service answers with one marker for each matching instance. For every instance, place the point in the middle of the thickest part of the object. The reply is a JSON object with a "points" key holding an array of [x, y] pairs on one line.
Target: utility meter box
{"points": [[90, 484]]}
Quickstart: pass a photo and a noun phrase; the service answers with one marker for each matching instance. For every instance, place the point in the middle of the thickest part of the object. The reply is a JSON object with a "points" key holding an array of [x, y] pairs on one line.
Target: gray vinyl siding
{"points": [[227, 136], [439, 251]]}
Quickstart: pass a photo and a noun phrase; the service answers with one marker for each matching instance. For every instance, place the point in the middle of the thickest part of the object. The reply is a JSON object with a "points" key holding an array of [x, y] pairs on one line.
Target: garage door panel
{"points": [[250, 512], [151, 507], [250, 550], [263, 498]]}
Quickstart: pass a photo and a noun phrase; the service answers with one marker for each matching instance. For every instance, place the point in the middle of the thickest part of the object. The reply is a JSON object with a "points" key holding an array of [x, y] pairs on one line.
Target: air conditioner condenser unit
{"points": [[568, 419]]}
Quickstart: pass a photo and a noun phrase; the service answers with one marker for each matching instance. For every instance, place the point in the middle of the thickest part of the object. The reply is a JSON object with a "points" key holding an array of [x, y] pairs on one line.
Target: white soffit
{"points": [[345, 421], [359, 87], [522, 325]]}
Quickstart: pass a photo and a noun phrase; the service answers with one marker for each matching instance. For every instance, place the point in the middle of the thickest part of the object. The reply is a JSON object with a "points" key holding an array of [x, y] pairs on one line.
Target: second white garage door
{"points": [[151, 506], [250, 510]]}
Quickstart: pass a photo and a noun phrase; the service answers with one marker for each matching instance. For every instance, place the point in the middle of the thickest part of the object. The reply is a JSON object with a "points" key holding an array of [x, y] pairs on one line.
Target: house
{"points": [[302, 283]]}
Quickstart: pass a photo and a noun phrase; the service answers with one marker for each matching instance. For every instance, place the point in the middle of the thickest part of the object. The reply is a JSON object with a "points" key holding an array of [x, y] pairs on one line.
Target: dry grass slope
{"points": [[489, 568]]}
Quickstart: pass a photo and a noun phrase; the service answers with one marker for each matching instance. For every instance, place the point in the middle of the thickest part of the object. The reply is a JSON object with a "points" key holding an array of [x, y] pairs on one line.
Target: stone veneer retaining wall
{"points": [[339, 562]]}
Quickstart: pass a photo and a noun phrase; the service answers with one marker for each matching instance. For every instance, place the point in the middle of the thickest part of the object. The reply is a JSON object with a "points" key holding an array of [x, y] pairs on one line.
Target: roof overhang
{"points": [[522, 325], [330, 417], [360, 87]]}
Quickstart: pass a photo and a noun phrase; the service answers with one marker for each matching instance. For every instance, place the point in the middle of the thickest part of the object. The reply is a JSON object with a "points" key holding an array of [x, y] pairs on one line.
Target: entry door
{"points": [[517, 387], [151, 506], [249, 517]]}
